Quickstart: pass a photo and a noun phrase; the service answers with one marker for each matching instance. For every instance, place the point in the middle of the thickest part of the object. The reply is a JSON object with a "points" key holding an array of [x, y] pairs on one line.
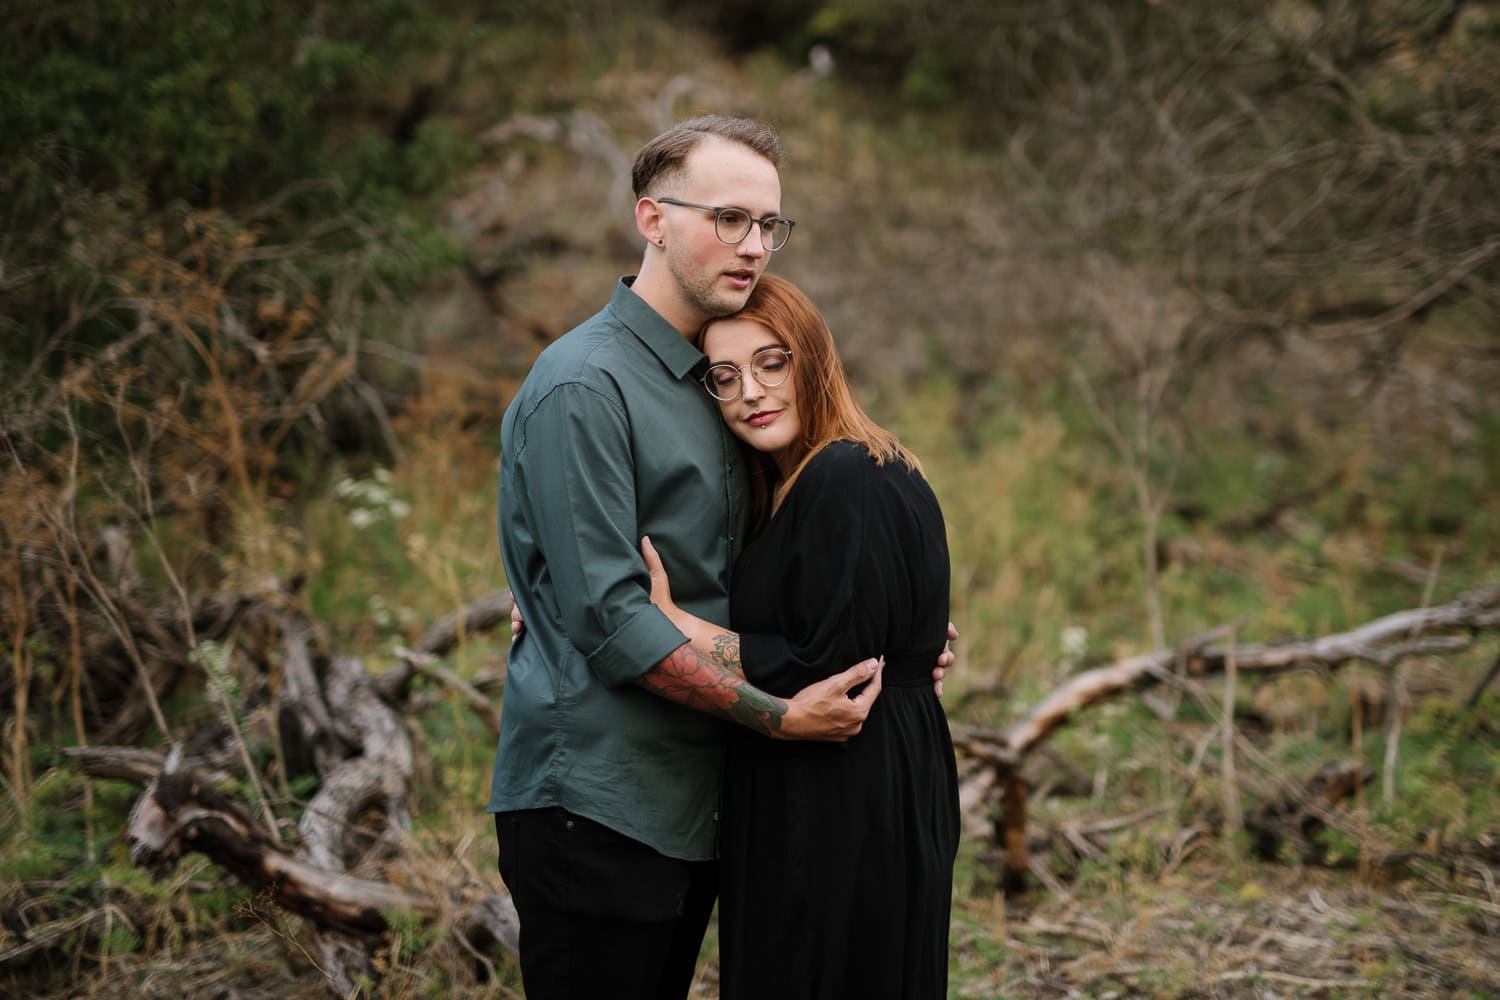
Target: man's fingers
{"points": [[516, 623], [952, 632]]}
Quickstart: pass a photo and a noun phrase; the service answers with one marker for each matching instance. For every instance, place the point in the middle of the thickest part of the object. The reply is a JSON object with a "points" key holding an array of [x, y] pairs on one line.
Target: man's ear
{"points": [[649, 220]]}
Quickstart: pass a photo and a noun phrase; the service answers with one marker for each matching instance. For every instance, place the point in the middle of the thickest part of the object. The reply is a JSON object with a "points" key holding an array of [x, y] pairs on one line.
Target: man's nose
{"points": [[751, 245]]}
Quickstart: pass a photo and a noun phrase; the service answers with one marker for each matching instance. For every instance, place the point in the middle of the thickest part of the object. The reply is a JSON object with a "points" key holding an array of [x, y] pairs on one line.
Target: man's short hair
{"points": [[660, 161]]}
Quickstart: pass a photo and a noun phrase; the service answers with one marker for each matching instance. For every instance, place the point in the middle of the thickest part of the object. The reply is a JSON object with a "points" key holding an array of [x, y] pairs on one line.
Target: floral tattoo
{"points": [[703, 683]]}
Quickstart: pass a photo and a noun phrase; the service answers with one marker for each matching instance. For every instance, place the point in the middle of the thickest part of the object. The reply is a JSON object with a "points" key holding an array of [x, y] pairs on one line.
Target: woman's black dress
{"points": [[837, 859]]}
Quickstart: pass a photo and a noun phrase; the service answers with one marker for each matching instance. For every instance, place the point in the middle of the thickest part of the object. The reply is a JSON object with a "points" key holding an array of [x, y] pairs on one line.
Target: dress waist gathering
{"points": [[910, 669]]}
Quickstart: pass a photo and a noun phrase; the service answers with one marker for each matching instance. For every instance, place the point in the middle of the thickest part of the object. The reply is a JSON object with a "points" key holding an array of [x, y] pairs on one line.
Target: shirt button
{"points": [[716, 815], [568, 824]]}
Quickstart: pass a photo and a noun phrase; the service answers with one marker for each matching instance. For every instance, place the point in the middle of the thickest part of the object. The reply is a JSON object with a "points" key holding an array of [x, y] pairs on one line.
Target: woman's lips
{"points": [[763, 417]]}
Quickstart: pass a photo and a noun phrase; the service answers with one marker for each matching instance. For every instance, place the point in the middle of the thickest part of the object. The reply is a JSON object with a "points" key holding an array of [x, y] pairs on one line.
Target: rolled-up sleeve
{"points": [[578, 483]]}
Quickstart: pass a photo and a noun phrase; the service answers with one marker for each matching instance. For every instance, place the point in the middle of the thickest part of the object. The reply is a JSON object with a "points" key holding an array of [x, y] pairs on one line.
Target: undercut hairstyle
{"points": [[825, 403], [659, 163]]}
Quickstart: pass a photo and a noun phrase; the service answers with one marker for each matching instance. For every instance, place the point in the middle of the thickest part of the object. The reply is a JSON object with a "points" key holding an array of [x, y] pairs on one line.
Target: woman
{"points": [[836, 860]]}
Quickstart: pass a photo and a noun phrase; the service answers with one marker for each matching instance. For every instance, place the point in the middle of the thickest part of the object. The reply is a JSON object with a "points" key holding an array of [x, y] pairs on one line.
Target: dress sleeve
{"points": [[578, 483], [820, 594]]}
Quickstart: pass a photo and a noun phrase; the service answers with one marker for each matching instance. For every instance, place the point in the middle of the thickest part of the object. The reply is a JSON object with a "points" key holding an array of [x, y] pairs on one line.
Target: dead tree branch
{"points": [[1375, 642], [478, 616], [178, 814], [1386, 641]]}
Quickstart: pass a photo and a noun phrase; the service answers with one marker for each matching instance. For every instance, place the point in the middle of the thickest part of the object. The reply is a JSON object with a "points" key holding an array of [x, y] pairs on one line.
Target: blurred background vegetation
{"points": [[1190, 310]]}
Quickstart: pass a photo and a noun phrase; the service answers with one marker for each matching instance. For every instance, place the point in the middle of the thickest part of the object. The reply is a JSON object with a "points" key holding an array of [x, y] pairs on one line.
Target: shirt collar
{"points": [[662, 338]]}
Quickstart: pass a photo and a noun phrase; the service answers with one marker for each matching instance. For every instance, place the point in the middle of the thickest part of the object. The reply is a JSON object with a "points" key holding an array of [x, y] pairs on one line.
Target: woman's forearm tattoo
{"points": [[701, 682]]}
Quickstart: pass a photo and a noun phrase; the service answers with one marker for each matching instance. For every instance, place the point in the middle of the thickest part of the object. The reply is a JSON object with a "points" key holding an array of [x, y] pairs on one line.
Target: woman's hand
{"points": [[661, 587], [704, 635], [945, 660]]}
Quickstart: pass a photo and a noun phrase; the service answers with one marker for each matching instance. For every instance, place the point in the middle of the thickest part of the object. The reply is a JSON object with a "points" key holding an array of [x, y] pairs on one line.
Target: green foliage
{"points": [[1449, 777], [202, 101], [119, 941]]}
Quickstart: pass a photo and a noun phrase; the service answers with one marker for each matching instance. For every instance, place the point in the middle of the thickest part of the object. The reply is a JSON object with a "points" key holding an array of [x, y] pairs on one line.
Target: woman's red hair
{"points": [[825, 404]]}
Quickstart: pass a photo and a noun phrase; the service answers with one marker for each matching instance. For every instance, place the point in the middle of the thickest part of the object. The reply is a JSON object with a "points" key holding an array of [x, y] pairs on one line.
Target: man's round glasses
{"points": [[770, 367], [732, 225]]}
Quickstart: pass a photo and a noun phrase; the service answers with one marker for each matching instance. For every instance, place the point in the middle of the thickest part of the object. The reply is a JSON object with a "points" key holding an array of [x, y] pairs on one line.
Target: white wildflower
{"points": [[1075, 641]]}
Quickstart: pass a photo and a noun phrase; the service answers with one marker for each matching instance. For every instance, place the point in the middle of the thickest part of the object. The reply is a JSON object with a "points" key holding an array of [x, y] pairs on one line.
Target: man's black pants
{"points": [[602, 915]]}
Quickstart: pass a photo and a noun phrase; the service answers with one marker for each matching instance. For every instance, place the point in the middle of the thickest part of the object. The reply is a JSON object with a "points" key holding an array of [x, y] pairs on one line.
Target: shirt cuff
{"points": [[635, 647]]}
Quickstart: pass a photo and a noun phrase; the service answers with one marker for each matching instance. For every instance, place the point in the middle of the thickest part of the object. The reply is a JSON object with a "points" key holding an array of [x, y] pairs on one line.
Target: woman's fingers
{"points": [[867, 697], [661, 587], [648, 552], [825, 711]]}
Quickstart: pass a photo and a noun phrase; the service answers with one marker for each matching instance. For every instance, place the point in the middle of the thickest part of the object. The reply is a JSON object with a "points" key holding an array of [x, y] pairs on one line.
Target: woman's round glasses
{"points": [[770, 367], [732, 225]]}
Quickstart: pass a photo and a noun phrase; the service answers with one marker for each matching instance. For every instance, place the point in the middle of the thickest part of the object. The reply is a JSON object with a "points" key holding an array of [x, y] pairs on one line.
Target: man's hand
{"points": [[516, 624], [945, 660], [825, 712]]}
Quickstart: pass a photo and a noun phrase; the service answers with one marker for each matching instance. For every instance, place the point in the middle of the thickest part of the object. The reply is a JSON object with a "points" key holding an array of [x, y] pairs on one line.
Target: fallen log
{"points": [[178, 814], [1385, 641], [182, 811], [378, 776], [334, 724]]}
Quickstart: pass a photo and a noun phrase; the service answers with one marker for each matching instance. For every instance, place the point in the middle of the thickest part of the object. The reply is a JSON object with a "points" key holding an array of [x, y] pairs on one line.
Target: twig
{"points": [[1396, 701], [428, 665], [1121, 822], [1291, 980], [1484, 682], [1233, 818], [479, 615], [1038, 926], [1081, 843], [46, 935], [1038, 868], [68, 533]]}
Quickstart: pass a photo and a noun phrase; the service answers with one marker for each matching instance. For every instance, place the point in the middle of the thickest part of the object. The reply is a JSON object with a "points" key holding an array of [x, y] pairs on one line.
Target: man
{"points": [[606, 781]]}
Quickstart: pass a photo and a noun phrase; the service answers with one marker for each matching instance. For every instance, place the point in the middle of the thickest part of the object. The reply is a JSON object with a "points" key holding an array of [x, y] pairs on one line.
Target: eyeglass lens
{"points": [[733, 224], [770, 369]]}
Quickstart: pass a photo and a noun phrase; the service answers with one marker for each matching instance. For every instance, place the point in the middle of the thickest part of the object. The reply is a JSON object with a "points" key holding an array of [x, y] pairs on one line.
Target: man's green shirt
{"points": [[612, 437]]}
